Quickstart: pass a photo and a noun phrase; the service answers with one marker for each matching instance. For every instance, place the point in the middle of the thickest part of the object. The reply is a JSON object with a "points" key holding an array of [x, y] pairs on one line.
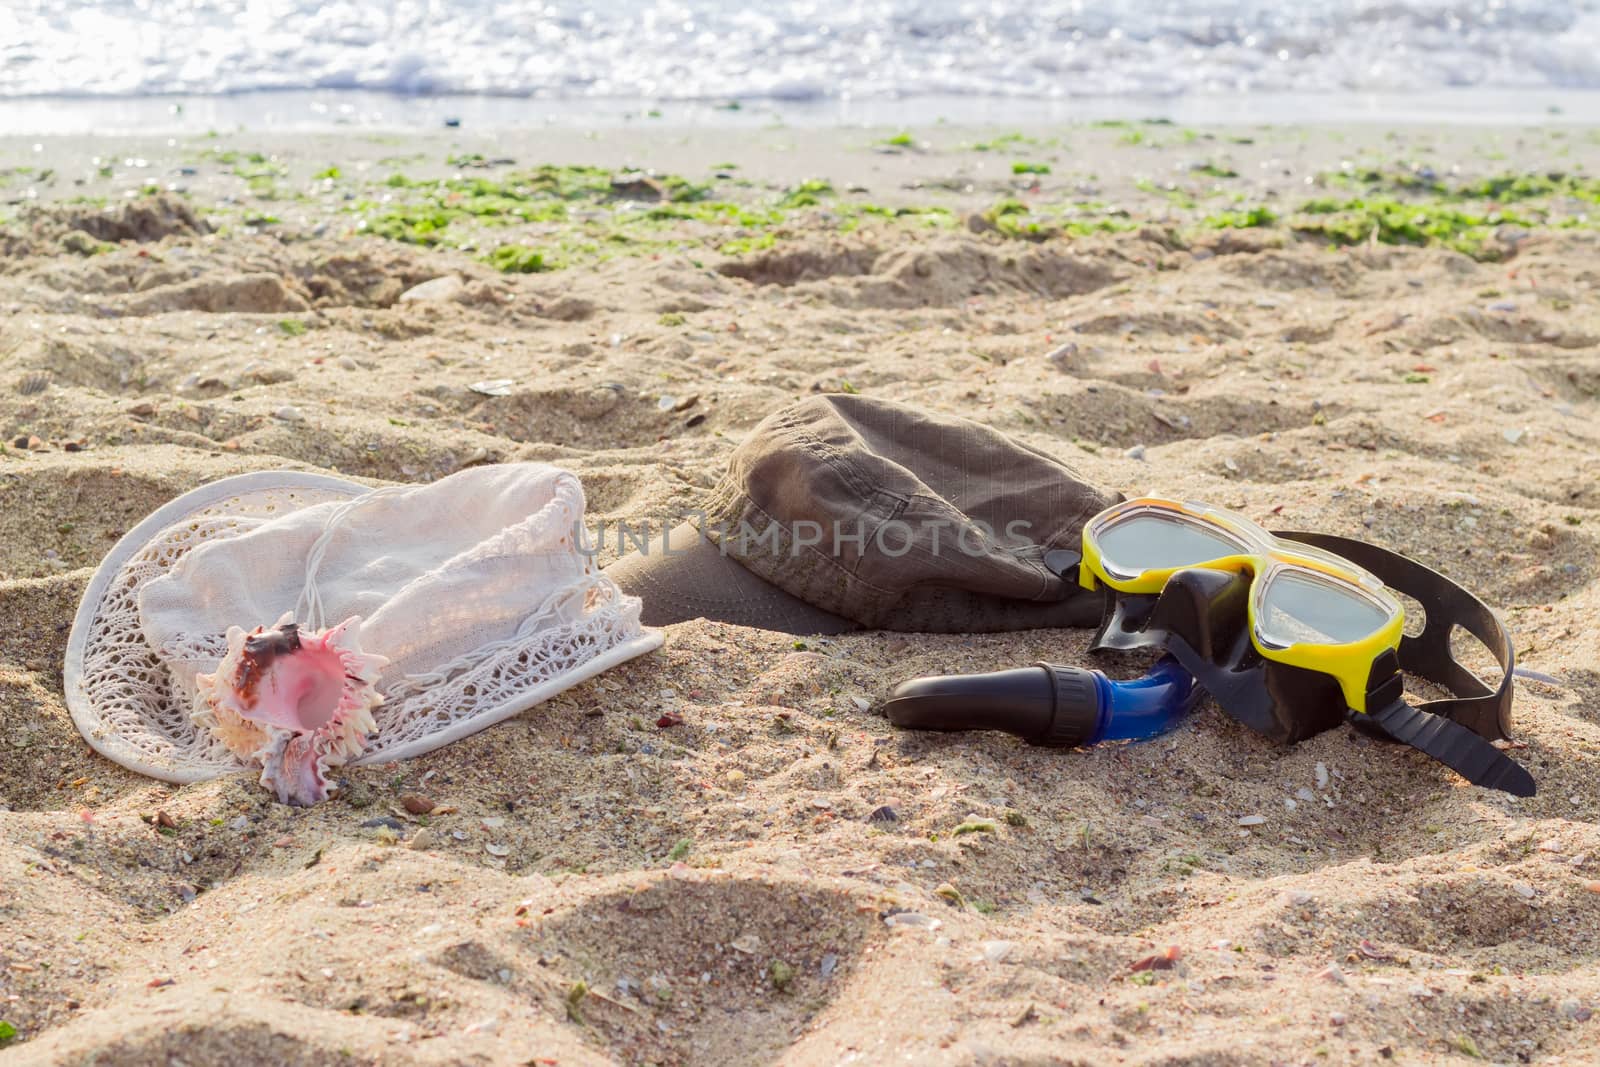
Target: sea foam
{"points": [[797, 50]]}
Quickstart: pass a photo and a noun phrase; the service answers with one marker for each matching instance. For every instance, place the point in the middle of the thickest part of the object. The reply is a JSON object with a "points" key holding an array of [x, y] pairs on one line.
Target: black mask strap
{"points": [[1451, 744], [1484, 711]]}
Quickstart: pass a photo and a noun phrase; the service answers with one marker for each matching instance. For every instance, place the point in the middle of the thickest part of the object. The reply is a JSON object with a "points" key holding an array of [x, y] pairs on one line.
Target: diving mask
{"points": [[1292, 633], [1306, 607]]}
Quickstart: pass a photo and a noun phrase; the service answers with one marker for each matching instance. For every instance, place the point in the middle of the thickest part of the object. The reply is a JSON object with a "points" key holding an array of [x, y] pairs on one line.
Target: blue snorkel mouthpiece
{"points": [[1048, 704]]}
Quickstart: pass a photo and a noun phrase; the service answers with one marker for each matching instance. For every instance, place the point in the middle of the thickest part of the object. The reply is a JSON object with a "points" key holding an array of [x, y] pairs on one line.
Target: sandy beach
{"points": [[1389, 334]]}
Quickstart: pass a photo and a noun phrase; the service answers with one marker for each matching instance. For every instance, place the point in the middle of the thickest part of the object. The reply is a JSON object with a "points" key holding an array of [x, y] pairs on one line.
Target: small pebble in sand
{"points": [[912, 918], [883, 814], [265, 374], [1252, 820], [434, 289], [997, 951], [417, 804], [1136, 452], [1060, 356], [749, 944], [1524, 890], [828, 965], [422, 839], [289, 413], [1322, 776], [1165, 960], [1332, 973]]}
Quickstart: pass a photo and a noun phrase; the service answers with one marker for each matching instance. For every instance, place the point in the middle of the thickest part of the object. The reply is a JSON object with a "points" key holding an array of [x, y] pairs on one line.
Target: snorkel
{"points": [[1048, 704]]}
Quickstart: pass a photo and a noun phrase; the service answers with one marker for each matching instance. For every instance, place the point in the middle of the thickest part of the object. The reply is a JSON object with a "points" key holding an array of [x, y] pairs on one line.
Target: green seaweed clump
{"points": [[1511, 189], [1013, 218], [1392, 222], [806, 194], [517, 259], [1240, 220], [741, 246]]}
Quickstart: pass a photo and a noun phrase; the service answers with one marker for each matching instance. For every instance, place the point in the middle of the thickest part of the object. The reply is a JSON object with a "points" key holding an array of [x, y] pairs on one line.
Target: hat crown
{"points": [[894, 516]]}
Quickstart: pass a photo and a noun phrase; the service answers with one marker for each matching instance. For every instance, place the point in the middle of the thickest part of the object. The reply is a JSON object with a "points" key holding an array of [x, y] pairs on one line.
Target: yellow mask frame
{"points": [[1268, 559]]}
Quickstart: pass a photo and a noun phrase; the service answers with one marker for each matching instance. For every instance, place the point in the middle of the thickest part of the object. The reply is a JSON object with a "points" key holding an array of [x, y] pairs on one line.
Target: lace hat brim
{"points": [[120, 692]]}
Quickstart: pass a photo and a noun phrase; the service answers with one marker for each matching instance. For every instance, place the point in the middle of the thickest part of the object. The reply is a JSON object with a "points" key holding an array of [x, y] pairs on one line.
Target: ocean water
{"points": [[796, 51]]}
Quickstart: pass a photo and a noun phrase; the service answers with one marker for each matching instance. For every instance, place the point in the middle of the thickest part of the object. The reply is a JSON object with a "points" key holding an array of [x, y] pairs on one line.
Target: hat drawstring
{"points": [[308, 610]]}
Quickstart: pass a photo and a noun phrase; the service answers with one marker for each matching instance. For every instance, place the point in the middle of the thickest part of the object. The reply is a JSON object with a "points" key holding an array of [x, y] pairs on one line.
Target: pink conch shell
{"points": [[296, 702]]}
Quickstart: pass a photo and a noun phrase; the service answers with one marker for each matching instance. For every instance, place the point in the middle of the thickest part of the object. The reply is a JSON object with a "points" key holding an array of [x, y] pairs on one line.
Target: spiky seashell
{"points": [[296, 702]]}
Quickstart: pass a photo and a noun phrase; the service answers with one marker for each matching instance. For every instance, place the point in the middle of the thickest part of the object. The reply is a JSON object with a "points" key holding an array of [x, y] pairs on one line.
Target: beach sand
{"points": [[601, 888]]}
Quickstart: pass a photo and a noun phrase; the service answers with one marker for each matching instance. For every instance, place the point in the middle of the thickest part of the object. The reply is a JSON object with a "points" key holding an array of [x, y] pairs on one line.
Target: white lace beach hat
{"points": [[457, 604]]}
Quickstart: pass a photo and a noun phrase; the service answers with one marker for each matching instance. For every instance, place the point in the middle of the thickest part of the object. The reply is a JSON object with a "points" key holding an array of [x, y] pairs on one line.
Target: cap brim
{"points": [[688, 577]]}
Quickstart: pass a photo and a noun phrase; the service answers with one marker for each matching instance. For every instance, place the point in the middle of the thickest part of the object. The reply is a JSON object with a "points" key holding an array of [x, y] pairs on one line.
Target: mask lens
{"points": [[1297, 606], [1156, 541]]}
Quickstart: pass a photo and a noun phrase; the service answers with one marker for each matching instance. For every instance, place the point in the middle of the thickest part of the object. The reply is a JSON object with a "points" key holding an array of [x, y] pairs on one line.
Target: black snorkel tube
{"points": [[1049, 704]]}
